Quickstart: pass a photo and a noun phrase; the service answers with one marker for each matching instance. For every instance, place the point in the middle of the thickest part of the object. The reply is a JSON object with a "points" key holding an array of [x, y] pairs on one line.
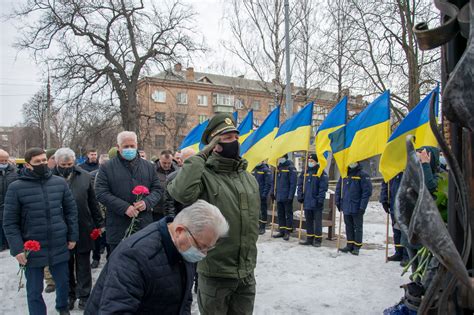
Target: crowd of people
{"points": [[195, 223]]}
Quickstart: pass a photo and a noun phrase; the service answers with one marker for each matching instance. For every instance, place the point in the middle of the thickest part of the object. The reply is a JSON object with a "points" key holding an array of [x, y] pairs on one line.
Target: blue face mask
{"points": [[3, 166], [193, 255], [312, 164], [129, 154], [281, 160]]}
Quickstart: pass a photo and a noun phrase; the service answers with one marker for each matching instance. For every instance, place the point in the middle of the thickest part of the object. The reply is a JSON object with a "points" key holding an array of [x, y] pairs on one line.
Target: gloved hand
{"points": [[300, 200], [207, 150], [386, 206]]}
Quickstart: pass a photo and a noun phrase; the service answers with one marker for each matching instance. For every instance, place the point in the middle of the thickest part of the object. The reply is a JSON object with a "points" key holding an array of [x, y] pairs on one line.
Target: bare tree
{"points": [[92, 46], [258, 35]]}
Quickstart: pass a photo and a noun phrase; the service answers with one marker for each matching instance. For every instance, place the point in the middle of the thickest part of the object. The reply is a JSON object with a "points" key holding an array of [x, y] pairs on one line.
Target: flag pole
{"points": [[387, 222], [304, 184], [273, 201]]}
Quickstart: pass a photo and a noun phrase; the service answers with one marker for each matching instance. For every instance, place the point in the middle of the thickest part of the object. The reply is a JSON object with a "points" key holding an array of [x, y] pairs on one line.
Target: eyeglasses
{"points": [[200, 247]]}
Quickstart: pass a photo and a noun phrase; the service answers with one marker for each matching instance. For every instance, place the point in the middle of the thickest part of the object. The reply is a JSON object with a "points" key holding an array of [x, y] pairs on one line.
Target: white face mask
{"points": [[353, 165], [281, 160], [3, 166]]}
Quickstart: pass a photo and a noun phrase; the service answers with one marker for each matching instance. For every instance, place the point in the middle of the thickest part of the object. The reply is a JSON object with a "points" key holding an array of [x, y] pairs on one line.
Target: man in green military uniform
{"points": [[218, 175]]}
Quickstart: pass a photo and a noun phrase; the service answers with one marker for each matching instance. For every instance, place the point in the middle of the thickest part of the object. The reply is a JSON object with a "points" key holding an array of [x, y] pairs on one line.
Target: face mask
{"points": [[41, 169], [230, 150], [193, 255], [65, 171], [129, 154], [281, 160], [442, 160], [353, 165], [312, 164], [3, 166]]}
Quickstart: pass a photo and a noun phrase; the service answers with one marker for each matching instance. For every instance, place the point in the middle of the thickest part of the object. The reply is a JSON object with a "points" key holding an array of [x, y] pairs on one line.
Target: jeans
{"points": [[34, 287]]}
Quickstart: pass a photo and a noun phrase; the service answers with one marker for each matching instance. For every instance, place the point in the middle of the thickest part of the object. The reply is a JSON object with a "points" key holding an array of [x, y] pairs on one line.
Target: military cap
{"points": [[219, 124], [112, 152], [313, 156], [50, 152]]}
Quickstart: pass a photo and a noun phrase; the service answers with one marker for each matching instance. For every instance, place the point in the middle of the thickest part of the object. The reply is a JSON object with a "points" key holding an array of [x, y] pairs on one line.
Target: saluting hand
{"points": [[207, 150]]}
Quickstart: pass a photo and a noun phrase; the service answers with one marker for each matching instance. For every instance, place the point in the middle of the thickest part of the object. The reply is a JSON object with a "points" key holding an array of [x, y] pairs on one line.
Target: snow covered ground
{"points": [[291, 279]]}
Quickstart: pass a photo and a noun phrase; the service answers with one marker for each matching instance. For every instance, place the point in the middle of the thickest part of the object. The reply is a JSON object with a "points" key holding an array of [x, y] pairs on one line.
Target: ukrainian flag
{"points": [[364, 136], [246, 127], [256, 148], [293, 135], [335, 119], [416, 123], [236, 116], [193, 138]]}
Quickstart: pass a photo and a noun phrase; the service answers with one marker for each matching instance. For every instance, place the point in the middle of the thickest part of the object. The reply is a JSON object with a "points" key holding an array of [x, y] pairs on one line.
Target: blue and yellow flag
{"points": [[336, 119], [246, 127], [416, 123], [256, 148], [294, 134], [236, 116], [364, 136], [193, 138]]}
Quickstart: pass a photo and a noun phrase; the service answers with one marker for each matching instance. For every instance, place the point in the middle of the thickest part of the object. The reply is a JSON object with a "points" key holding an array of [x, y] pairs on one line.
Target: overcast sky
{"points": [[20, 78]]}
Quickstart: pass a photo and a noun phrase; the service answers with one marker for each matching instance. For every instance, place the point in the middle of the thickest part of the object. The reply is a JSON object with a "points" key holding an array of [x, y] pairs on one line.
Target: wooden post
{"points": [[304, 184]]}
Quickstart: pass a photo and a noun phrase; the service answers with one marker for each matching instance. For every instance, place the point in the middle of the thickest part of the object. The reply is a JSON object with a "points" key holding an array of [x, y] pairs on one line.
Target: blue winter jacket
{"points": [[144, 275], [264, 177], [314, 190], [286, 182], [394, 184], [356, 190], [41, 209]]}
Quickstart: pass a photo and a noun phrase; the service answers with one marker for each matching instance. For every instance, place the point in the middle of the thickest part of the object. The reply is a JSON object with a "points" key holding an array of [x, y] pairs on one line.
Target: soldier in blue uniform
{"points": [[312, 196], [387, 199], [264, 177], [285, 192], [356, 193]]}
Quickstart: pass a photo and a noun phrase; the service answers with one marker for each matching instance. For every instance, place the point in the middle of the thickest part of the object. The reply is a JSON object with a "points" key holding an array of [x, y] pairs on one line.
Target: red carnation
{"points": [[31, 246], [95, 234], [140, 190]]}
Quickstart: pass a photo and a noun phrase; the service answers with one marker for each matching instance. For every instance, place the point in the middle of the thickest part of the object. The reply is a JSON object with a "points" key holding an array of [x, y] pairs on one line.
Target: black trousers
{"points": [[110, 249], [354, 229], [99, 244], [397, 235], [80, 277], [285, 215], [263, 211], [314, 224]]}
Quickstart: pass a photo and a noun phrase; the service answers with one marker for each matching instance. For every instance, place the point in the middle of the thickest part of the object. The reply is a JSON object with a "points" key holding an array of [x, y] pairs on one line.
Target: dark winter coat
{"points": [[172, 207], [40, 209], [388, 196], [264, 178], [314, 190], [431, 170], [356, 191], [89, 216], [163, 205], [7, 176], [144, 275], [286, 182], [113, 187], [88, 166]]}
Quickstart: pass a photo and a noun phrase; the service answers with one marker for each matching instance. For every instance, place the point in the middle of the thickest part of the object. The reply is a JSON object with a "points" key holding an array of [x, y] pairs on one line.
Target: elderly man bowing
{"points": [[218, 175], [114, 184]]}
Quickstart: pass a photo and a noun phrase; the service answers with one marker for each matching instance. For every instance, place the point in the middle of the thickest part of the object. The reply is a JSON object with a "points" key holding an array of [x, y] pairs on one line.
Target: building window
{"points": [[239, 104], [159, 96], [256, 105], [182, 98], [202, 118], [180, 119], [160, 141], [223, 99], [160, 117], [202, 100]]}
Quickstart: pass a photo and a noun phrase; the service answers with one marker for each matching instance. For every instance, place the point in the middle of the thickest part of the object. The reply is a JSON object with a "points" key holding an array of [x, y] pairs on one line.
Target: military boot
{"points": [[355, 251], [286, 237], [396, 257], [279, 235], [317, 242], [347, 249], [309, 241], [261, 229]]}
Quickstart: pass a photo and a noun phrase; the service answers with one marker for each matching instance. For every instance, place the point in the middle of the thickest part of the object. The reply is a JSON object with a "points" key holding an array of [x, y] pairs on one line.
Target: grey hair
{"points": [[126, 135], [64, 154], [200, 215]]}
